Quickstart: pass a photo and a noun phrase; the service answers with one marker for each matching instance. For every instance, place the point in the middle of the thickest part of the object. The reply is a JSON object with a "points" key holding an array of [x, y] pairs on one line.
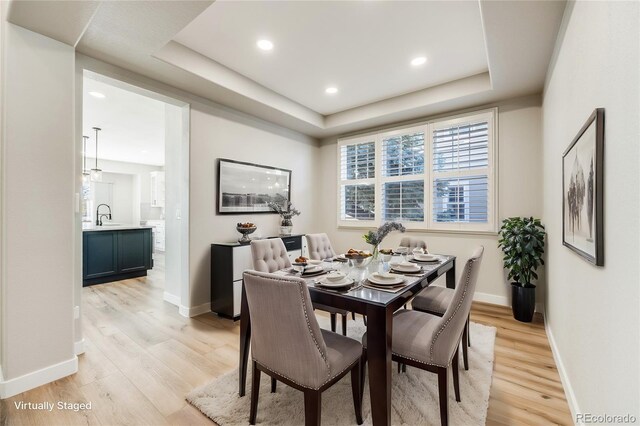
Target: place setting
{"points": [[336, 281], [386, 281]]}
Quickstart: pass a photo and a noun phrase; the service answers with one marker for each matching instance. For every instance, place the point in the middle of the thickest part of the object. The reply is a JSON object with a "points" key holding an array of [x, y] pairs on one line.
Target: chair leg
{"points": [[255, 391], [333, 322], [454, 369], [364, 318], [399, 368], [444, 396], [273, 385], [404, 368], [344, 325], [465, 333], [312, 405], [353, 316], [355, 390], [468, 333]]}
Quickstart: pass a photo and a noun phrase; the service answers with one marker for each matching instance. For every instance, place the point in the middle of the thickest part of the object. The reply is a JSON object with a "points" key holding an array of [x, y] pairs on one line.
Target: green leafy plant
{"points": [[522, 242]]}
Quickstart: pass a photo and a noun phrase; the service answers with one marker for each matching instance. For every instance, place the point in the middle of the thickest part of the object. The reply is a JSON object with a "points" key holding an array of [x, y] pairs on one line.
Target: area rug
{"points": [[414, 393]]}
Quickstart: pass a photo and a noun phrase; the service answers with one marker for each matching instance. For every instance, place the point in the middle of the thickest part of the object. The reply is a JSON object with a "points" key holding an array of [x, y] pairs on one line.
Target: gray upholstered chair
{"points": [[435, 300], [271, 255], [430, 342], [319, 246], [291, 347], [413, 243]]}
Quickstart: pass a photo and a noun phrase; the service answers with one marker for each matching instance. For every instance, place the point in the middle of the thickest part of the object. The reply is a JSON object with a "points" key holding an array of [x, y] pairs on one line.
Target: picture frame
{"points": [[248, 188], [583, 191]]}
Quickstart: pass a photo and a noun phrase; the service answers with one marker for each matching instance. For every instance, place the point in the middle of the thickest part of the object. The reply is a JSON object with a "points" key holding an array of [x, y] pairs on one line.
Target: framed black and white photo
{"points": [[582, 191], [248, 188]]}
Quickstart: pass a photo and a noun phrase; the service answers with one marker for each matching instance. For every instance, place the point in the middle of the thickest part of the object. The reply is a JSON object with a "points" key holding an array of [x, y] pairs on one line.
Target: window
{"points": [[357, 180], [438, 175]]}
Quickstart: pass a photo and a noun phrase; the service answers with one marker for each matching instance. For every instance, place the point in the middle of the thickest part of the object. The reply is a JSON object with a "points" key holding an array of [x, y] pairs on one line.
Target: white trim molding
{"points": [[562, 372], [195, 310], [172, 298], [78, 347], [12, 387]]}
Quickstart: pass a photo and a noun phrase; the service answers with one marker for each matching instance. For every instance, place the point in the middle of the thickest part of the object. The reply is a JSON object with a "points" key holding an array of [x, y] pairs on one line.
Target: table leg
{"points": [[379, 333], [451, 276], [245, 338]]}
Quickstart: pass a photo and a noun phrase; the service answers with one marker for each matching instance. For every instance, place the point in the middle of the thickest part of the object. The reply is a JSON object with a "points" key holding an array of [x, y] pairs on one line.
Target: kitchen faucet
{"points": [[99, 216]]}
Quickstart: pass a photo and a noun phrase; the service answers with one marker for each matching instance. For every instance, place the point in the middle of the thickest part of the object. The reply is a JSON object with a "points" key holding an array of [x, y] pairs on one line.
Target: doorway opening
{"points": [[133, 193]]}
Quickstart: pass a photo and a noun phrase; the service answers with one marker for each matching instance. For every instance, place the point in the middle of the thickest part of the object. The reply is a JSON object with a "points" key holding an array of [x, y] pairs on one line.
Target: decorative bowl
{"points": [[360, 261], [245, 231]]}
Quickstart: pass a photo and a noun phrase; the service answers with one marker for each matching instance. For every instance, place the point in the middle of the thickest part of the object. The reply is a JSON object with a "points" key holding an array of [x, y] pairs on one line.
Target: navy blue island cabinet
{"points": [[115, 254]]}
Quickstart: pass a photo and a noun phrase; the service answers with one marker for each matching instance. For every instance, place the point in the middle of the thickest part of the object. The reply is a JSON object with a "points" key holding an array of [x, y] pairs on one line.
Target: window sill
{"points": [[428, 231]]}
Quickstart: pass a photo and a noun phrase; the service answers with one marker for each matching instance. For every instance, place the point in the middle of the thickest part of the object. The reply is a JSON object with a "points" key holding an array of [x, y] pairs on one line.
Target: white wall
{"points": [[519, 194], [219, 133], [37, 210], [122, 204], [592, 312], [177, 205], [142, 185]]}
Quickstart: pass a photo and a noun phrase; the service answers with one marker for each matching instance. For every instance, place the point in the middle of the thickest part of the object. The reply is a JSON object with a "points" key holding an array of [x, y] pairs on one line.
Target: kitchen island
{"points": [[115, 252]]}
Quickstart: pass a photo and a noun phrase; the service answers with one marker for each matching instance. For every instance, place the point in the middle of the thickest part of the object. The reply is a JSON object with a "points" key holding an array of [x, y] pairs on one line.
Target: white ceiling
{"points": [[326, 46], [132, 125], [362, 48]]}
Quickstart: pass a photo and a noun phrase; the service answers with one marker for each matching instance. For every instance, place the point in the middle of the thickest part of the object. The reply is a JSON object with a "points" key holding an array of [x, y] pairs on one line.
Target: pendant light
{"points": [[96, 173], [86, 176]]}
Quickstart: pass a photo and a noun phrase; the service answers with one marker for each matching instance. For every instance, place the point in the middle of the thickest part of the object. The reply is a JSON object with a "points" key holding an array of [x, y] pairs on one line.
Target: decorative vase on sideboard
{"points": [[286, 226]]}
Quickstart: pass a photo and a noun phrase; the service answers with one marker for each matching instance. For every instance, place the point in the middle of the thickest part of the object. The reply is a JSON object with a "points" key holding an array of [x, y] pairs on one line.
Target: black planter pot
{"points": [[523, 302]]}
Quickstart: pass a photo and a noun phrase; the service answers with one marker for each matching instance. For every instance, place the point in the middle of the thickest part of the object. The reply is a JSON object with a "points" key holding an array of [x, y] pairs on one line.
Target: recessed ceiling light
{"points": [[264, 44], [97, 95], [418, 61], [331, 90]]}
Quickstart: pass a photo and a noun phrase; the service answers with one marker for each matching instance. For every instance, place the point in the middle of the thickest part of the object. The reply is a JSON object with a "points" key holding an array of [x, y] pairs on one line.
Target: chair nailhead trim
{"points": [[323, 355], [464, 295]]}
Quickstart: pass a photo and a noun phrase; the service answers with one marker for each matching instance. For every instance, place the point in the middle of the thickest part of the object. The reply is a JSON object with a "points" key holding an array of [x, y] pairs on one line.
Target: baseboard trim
{"points": [[564, 378], [37, 378], [78, 347], [195, 310], [501, 300], [491, 298], [171, 298]]}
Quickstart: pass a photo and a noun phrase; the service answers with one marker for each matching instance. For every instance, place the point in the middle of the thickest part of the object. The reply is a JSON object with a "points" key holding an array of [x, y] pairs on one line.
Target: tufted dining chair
{"points": [[319, 246], [271, 255], [291, 347], [431, 342], [412, 243]]}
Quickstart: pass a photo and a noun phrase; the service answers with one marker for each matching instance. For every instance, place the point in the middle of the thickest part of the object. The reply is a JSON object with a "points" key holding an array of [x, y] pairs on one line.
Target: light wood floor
{"points": [[142, 357]]}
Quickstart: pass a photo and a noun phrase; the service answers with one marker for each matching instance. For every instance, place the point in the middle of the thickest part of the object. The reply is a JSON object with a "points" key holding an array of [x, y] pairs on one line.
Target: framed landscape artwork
{"points": [[582, 191], [249, 188]]}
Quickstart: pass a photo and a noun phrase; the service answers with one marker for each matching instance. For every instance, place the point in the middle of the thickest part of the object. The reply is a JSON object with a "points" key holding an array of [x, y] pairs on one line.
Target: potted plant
{"points": [[522, 242], [375, 238]]}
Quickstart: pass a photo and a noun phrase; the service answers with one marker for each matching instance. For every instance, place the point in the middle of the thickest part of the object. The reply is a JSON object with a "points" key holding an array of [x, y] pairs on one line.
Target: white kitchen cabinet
{"points": [[159, 234], [157, 189]]}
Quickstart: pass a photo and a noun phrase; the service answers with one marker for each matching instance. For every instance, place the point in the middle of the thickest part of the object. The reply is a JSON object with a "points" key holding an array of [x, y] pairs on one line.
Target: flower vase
{"points": [[376, 254], [285, 227]]}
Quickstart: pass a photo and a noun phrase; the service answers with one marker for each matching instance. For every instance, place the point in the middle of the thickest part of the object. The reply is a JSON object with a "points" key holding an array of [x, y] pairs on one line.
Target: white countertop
{"points": [[92, 227]]}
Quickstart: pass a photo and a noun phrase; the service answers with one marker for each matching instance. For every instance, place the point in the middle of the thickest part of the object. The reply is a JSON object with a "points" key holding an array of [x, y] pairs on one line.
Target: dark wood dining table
{"points": [[379, 307]]}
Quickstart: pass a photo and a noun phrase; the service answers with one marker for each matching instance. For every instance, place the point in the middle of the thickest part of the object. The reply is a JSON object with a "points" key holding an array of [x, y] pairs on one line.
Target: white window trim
{"points": [[341, 182], [491, 227]]}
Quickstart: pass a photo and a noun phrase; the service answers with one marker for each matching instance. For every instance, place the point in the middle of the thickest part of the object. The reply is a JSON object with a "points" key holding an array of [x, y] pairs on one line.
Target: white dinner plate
{"points": [[405, 268], [425, 258], [392, 281], [314, 262], [313, 270], [324, 282]]}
